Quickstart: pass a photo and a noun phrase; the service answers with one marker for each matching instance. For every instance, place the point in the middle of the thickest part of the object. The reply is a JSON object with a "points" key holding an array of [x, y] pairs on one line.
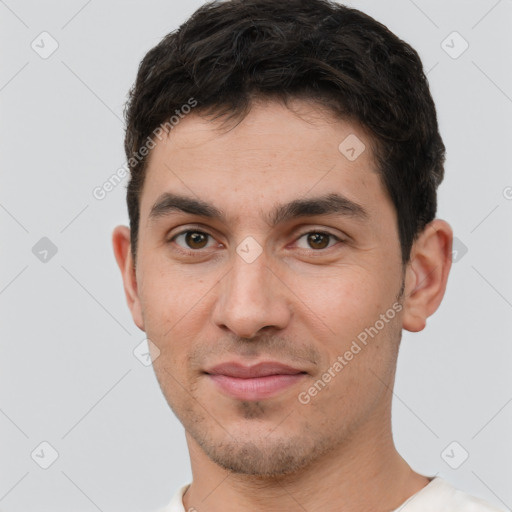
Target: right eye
{"points": [[193, 240]]}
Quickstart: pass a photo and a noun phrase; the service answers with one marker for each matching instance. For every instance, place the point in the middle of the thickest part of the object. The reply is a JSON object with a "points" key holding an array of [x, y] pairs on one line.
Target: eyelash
{"points": [[195, 252]]}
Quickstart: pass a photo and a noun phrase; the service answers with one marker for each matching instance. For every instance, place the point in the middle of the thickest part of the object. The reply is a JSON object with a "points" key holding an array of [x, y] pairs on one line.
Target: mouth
{"points": [[257, 382]]}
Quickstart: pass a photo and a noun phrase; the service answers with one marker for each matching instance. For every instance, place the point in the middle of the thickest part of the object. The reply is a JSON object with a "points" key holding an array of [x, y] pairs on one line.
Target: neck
{"points": [[363, 473]]}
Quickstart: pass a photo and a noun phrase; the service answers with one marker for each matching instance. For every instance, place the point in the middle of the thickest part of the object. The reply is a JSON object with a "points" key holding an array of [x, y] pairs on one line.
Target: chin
{"points": [[266, 458]]}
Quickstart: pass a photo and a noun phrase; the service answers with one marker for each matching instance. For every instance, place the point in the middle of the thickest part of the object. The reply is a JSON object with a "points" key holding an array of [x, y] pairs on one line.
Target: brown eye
{"points": [[193, 240], [196, 240], [318, 240]]}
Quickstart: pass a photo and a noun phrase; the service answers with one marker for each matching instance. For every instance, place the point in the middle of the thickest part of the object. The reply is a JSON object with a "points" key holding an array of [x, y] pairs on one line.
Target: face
{"points": [[268, 273]]}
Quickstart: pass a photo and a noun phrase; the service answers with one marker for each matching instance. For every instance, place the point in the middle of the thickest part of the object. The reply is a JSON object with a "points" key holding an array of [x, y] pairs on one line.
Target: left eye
{"points": [[317, 240], [193, 239]]}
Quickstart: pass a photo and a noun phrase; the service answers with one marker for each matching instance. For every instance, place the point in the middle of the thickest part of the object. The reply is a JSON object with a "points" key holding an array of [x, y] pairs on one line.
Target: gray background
{"points": [[68, 375]]}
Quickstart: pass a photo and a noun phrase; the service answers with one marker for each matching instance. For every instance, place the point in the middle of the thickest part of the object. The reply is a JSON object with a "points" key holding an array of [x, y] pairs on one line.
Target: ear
{"points": [[427, 274], [123, 254]]}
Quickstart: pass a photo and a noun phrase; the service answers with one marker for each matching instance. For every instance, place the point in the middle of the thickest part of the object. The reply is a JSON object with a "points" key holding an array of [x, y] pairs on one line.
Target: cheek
{"points": [[170, 289], [177, 306], [345, 299], [352, 306]]}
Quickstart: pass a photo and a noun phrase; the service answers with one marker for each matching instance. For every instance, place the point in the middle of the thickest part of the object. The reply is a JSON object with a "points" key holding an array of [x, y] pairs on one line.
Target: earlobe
{"points": [[123, 255], [427, 274]]}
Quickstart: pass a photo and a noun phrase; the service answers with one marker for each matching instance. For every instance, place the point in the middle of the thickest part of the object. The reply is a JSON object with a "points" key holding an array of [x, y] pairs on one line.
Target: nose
{"points": [[251, 298]]}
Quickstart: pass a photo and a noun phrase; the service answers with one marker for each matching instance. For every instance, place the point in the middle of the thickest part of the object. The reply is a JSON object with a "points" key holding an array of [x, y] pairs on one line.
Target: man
{"points": [[284, 162]]}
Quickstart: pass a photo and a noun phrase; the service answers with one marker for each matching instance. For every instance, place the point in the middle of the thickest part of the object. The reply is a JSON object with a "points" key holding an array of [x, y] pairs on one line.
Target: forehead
{"points": [[274, 155]]}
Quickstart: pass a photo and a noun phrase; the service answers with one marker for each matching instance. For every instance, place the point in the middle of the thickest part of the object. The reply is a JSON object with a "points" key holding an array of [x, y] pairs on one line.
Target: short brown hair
{"points": [[229, 53]]}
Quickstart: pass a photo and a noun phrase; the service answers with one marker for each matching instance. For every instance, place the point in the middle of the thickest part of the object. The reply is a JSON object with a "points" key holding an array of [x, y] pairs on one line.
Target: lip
{"points": [[257, 382], [262, 369]]}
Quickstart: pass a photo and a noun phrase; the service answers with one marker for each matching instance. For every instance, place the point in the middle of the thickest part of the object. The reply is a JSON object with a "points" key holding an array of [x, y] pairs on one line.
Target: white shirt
{"points": [[437, 496]]}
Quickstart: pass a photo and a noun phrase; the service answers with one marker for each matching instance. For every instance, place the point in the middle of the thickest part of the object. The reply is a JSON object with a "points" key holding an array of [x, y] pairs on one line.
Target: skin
{"points": [[297, 303]]}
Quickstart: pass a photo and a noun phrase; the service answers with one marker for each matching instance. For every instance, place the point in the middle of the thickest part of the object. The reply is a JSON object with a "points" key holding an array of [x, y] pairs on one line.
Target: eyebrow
{"points": [[329, 204]]}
